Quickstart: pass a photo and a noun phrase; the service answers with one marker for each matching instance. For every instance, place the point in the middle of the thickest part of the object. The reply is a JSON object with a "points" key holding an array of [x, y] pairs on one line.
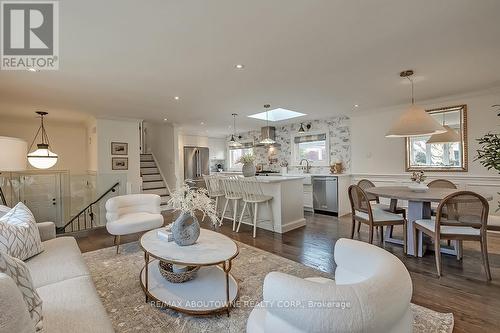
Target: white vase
{"points": [[248, 170]]}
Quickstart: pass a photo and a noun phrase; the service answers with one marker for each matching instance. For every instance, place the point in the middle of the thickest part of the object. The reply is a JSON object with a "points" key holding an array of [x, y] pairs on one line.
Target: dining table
{"points": [[419, 207]]}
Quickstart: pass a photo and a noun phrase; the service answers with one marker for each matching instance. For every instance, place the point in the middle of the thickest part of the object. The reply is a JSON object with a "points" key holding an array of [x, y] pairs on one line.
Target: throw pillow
{"points": [[20, 273], [19, 236], [4, 210]]}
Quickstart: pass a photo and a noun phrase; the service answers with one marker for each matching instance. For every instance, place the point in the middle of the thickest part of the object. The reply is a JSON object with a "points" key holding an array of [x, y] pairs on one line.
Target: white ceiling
{"points": [[130, 58]]}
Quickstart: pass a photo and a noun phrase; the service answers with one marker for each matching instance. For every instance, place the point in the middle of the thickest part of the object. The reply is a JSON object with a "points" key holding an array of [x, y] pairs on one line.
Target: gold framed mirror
{"points": [[441, 152]]}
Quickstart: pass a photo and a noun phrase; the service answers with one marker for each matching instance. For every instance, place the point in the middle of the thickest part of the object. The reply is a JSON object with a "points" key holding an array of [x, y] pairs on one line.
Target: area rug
{"points": [[117, 281]]}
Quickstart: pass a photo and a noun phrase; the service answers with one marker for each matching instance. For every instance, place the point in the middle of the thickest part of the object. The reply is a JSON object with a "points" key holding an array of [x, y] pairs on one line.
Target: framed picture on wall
{"points": [[119, 148], [119, 163]]}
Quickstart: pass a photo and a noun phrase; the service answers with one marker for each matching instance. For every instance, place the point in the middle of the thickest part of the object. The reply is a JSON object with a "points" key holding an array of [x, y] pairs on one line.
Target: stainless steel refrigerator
{"points": [[196, 164]]}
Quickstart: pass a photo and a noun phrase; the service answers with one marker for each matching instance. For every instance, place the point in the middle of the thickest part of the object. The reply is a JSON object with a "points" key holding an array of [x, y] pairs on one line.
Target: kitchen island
{"points": [[287, 206]]}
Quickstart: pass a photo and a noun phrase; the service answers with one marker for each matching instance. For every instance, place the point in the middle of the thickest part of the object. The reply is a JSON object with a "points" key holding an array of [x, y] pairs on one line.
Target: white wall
{"points": [[160, 141], [113, 130], [67, 139], [372, 152], [91, 131], [382, 159]]}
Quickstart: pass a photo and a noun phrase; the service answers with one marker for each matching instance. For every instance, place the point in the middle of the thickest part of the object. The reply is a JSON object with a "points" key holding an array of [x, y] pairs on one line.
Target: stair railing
{"points": [[75, 223]]}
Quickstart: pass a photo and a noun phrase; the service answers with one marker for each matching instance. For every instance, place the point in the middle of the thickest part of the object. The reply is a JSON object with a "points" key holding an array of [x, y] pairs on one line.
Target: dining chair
{"points": [[375, 201], [215, 190], [494, 223], [465, 220], [362, 212], [233, 192], [252, 195]]}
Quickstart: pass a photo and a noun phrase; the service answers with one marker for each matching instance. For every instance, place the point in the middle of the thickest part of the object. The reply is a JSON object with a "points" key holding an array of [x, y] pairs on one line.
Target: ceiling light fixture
{"points": [[42, 158], [415, 121], [449, 136], [239, 66], [165, 119], [232, 141], [176, 98], [356, 105], [268, 140]]}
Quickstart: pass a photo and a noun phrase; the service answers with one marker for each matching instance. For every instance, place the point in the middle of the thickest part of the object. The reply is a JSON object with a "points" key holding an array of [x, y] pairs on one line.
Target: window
{"points": [[312, 147], [236, 153]]}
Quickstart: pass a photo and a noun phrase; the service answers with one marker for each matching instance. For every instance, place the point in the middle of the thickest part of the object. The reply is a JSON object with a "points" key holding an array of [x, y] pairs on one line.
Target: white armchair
{"points": [[371, 293], [128, 214]]}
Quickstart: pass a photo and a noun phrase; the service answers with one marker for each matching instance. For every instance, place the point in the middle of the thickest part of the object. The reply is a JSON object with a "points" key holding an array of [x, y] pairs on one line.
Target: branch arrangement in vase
{"points": [[187, 201]]}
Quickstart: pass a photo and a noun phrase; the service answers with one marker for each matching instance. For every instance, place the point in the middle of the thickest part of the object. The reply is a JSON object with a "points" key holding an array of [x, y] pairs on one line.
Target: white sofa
{"points": [[61, 277], [131, 213], [374, 283]]}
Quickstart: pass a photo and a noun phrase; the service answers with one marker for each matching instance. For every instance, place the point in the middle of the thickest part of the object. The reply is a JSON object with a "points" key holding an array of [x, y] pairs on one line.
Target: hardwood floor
{"points": [[462, 290]]}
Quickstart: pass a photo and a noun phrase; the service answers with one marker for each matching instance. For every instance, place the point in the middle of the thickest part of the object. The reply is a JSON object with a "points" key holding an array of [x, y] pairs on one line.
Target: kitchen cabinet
{"points": [[217, 148], [308, 197]]}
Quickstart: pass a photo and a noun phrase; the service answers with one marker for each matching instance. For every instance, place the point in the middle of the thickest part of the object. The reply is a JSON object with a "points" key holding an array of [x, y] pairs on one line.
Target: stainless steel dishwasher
{"points": [[325, 195]]}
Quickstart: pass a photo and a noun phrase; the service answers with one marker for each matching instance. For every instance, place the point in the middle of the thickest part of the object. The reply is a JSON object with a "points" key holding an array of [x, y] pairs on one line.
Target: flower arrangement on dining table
{"points": [[187, 201], [418, 177]]}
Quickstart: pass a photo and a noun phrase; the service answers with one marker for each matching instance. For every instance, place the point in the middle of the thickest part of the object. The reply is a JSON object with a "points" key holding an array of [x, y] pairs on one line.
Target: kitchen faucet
{"points": [[308, 167]]}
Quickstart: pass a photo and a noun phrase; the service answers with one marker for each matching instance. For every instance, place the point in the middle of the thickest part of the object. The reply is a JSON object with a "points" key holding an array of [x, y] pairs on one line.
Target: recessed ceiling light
{"points": [[176, 98], [202, 123], [277, 114], [32, 69], [239, 66], [356, 105], [165, 119]]}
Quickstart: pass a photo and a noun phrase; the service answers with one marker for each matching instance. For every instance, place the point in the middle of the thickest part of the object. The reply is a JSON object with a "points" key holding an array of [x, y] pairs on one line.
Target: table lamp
{"points": [[12, 157]]}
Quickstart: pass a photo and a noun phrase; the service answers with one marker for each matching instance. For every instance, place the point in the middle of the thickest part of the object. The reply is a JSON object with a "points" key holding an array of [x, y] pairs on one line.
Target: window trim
{"points": [[294, 162], [228, 150]]}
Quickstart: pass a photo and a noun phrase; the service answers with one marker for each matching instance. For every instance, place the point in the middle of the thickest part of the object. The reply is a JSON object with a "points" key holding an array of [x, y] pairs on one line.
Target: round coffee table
{"points": [[213, 290]]}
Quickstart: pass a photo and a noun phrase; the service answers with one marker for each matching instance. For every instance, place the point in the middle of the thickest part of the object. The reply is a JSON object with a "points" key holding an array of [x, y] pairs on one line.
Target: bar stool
{"points": [[232, 190], [253, 195], [214, 188]]}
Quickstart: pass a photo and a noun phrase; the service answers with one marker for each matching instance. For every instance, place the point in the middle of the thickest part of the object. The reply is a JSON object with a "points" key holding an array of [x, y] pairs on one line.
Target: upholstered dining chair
{"points": [[465, 220], [440, 183], [233, 192], [253, 195], [215, 190], [362, 212], [375, 201], [494, 223]]}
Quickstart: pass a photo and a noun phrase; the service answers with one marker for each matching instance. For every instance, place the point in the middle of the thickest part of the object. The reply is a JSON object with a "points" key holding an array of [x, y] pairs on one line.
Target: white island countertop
{"points": [[278, 179]]}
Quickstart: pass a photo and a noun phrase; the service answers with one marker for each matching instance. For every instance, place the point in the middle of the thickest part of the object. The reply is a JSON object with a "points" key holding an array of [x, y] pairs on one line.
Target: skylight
{"points": [[277, 114]]}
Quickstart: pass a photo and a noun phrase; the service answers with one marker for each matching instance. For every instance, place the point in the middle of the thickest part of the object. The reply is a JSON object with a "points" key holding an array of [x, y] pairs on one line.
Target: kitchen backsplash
{"points": [[340, 144]]}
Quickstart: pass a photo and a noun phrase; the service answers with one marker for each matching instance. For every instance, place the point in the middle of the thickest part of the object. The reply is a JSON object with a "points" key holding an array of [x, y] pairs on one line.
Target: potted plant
{"points": [[186, 228], [489, 153], [248, 165]]}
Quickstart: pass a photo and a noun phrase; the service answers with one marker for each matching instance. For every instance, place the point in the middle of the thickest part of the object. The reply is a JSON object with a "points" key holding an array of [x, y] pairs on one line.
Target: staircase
{"points": [[152, 179]]}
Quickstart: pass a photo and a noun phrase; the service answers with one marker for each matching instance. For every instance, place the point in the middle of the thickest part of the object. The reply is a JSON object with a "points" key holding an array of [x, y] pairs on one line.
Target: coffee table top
{"points": [[211, 248], [404, 193]]}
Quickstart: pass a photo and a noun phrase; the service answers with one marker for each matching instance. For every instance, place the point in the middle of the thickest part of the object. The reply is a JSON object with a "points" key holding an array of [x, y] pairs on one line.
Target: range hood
{"points": [[264, 132]]}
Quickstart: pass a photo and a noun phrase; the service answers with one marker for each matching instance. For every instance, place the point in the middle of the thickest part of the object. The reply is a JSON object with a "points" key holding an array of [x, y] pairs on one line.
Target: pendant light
{"points": [[415, 121], [42, 158], [449, 136], [267, 140], [233, 142]]}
